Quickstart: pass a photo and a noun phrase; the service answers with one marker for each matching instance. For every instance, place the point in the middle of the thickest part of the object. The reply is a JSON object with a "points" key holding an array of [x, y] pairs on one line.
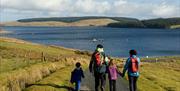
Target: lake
{"points": [[117, 41]]}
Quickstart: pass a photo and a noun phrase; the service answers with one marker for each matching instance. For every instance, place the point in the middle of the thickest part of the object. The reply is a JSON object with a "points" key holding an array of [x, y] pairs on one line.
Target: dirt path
{"points": [[88, 83], [54, 80]]}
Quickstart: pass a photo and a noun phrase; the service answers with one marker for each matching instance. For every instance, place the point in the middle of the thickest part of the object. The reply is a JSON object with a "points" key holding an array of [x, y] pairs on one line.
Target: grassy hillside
{"points": [[175, 26], [3, 31], [70, 21], [33, 67], [160, 74], [23, 63], [150, 23], [88, 22], [161, 22], [75, 19], [117, 22], [131, 24]]}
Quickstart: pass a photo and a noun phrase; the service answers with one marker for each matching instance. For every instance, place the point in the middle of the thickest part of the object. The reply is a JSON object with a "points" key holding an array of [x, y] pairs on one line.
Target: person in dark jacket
{"points": [[76, 76], [132, 66], [98, 67]]}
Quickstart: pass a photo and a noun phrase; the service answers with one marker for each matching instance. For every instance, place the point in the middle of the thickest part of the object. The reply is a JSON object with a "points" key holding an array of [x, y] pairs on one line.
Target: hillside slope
{"points": [[33, 67], [26, 66], [171, 23], [23, 63], [115, 22], [88, 22], [70, 21], [162, 22]]}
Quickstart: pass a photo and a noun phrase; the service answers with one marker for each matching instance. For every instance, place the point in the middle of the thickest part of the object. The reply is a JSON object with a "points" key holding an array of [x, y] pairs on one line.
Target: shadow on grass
{"points": [[53, 85]]}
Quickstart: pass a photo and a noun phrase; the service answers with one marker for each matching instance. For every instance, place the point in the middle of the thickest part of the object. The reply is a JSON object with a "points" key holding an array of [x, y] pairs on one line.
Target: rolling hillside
{"points": [[162, 22], [115, 22], [171, 23], [69, 21], [88, 22], [26, 66]]}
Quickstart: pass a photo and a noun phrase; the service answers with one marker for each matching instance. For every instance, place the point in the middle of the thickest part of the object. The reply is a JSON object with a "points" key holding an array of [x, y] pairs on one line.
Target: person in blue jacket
{"points": [[76, 76], [132, 66]]}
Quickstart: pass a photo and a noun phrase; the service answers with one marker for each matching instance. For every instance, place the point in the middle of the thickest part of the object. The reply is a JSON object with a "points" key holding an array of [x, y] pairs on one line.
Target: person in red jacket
{"points": [[98, 67], [132, 66]]}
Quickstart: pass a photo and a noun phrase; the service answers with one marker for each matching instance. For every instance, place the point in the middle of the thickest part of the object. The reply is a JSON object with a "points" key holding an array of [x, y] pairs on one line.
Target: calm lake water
{"points": [[117, 41]]}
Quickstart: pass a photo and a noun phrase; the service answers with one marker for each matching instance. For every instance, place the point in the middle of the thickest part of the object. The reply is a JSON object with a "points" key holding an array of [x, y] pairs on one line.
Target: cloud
{"points": [[165, 10], [90, 7], [48, 5], [51, 8], [148, 9]]}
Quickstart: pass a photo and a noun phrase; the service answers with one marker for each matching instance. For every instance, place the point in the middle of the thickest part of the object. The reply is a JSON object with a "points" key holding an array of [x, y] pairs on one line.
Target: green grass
{"points": [[57, 81], [18, 55], [21, 64], [35, 48], [160, 76], [175, 26], [53, 82], [158, 73], [15, 63]]}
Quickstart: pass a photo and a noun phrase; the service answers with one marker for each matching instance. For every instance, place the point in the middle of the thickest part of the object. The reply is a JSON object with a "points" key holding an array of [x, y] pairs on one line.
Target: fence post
{"points": [[42, 56]]}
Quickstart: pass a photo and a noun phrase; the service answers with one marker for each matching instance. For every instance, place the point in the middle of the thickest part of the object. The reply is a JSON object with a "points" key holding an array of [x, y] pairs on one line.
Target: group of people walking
{"points": [[100, 65]]}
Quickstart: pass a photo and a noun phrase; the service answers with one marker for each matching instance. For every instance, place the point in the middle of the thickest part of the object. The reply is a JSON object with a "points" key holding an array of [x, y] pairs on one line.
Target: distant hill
{"points": [[88, 22], [75, 19], [117, 22], [151, 23], [70, 21], [127, 24], [161, 22]]}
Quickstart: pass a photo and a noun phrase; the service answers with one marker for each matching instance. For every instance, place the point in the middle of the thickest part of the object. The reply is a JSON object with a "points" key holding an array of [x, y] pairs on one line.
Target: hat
{"points": [[99, 46]]}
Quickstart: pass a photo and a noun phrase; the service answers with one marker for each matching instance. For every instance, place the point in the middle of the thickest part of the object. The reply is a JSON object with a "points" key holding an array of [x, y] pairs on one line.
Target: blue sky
{"points": [[11, 10]]}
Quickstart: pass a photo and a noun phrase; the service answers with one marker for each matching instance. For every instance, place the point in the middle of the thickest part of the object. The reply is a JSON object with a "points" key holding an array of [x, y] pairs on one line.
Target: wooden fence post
{"points": [[42, 56]]}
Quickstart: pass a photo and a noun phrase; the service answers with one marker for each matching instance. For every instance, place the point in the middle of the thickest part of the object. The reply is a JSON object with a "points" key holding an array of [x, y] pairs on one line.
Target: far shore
{"points": [[4, 32], [98, 21]]}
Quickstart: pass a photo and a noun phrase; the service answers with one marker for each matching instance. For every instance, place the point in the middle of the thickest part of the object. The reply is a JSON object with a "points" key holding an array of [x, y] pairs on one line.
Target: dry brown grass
{"points": [[16, 80], [175, 27], [159, 74], [4, 32], [6, 39], [88, 22], [17, 77]]}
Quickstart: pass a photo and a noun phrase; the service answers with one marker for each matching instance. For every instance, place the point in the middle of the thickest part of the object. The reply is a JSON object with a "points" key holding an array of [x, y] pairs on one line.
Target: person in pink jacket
{"points": [[112, 75]]}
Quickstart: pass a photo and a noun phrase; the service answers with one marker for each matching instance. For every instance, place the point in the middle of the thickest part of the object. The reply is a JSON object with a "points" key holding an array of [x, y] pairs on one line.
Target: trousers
{"points": [[132, 83]]}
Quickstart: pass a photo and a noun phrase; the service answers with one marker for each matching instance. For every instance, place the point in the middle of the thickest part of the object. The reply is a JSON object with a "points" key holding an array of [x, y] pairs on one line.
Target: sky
{"points": [[11, 10]]}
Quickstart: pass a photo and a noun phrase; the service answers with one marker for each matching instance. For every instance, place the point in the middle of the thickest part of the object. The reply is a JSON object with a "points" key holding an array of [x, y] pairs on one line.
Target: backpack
{"points": [[134, 64], [102, 67]]}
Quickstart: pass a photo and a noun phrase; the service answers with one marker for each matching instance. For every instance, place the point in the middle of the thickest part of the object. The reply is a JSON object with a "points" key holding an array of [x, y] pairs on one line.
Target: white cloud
{"points": [[51, 8], [91, 6], [165, 10], [130, 9]]}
